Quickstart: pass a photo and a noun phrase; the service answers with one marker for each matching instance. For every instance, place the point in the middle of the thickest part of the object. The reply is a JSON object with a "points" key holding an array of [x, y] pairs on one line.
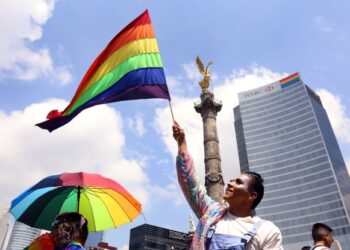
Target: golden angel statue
{"points": [[204, 83]]}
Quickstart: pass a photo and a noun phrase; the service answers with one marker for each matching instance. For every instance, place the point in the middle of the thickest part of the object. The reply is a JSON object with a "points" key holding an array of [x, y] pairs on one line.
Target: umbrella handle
{"points": [[78, 198]]}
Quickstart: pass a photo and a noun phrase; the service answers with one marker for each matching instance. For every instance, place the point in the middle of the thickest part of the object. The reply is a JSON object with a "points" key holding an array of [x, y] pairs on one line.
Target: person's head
{"points": [[69, 227], [247, 189], [321, 233], [306, 248]]}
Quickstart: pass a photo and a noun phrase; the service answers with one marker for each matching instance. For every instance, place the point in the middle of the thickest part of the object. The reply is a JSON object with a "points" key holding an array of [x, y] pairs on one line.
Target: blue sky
{"points": [[47, 46]]}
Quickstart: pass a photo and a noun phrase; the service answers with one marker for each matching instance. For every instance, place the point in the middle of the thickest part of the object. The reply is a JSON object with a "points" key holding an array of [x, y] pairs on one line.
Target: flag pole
{"points": [[172, 115], [171, 110]]}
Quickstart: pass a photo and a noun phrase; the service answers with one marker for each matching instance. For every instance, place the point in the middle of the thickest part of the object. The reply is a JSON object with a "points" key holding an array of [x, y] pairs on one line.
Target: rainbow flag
{"points": [[289, 80], [129, 68]]}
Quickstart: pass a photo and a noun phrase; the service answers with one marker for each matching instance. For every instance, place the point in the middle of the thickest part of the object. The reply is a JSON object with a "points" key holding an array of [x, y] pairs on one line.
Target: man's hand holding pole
{"points": [[179, 136]]}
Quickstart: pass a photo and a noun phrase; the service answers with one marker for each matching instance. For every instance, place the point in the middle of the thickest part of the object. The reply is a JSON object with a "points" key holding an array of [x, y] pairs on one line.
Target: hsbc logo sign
{"points": [[268, 88], [259, 92], [253, 93]]}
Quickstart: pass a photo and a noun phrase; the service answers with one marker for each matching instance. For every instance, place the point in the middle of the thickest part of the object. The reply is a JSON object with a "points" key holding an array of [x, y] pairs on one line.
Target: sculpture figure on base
{"points": [[204, 83]]}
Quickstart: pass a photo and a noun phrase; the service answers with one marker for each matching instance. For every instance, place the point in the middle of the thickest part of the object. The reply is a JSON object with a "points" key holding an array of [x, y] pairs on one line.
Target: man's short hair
{"points": [[318, 231], [69, 227], [256, 186]]}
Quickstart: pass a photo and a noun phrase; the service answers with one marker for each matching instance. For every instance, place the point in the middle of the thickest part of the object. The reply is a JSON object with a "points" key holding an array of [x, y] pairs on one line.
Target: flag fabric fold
{"points": [[129, 68]]}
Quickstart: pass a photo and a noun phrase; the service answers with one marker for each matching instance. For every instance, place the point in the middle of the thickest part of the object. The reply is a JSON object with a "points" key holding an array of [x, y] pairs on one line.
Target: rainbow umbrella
{"points": [[102, 201]]}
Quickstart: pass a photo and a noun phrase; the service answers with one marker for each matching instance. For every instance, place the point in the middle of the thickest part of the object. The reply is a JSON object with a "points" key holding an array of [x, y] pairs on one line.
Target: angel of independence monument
{"points": [[208, 107]]}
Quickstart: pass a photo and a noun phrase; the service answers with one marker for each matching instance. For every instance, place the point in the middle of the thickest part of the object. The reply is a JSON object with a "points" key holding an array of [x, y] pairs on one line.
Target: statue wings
{"points": [[200, 66], [204, 83]]}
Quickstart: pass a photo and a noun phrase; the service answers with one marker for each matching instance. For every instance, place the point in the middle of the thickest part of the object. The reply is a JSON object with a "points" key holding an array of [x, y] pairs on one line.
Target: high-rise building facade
{"points": [[149, 237], [21, 236], [283, 133]]}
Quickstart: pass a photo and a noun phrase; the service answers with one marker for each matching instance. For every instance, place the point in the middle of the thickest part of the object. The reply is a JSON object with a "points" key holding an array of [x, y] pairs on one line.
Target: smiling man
{"points": [[232, 224]]}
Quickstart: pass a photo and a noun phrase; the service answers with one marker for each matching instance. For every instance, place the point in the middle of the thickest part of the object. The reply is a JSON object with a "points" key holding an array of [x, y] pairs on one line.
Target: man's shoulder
{"points": [[268, 227], [268, 236]]}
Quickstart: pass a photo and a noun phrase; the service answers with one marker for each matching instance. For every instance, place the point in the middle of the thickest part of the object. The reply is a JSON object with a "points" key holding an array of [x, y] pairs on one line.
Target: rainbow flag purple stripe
{"points": [[129, 68]]}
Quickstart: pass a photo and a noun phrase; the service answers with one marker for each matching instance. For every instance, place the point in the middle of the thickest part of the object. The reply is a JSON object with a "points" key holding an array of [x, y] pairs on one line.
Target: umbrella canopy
{"points": [[102, 201]]}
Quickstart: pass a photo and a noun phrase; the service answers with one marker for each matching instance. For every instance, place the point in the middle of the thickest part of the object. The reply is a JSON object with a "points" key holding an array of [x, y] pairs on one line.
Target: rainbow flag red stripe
{"points": [[129, 68], [289, 80]]}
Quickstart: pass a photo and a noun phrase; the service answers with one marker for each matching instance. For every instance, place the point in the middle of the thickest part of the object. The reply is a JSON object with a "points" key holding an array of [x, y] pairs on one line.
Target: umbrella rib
{"points": [[64, 191], [110, 215], [87, 190], [102, 191]]}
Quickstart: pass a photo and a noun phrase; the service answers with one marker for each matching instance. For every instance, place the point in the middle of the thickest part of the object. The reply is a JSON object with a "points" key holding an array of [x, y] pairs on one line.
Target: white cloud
{"points": [[238, 81], [92, 142], [62, 76], [176, 85], [337, 114], [170, 192], [192, 72], [183, 85], [322, 24], [136, 124], [20, 25]]}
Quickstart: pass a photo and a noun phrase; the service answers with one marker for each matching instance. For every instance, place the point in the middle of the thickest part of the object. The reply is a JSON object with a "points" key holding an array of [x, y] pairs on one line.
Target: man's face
{"points": [[237, 190], [328, 239]]}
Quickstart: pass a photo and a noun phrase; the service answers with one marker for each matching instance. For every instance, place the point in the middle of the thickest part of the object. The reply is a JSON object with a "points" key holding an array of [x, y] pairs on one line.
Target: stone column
{"points": [[208, 107]]}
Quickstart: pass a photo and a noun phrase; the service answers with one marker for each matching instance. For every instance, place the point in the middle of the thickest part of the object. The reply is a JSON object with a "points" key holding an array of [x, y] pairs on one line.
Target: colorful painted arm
{"points": [[193, 190]]}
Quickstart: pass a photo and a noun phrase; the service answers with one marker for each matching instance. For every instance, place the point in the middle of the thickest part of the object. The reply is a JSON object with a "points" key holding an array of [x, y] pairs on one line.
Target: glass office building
{"points": [[149, 237], [283, 133]]}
